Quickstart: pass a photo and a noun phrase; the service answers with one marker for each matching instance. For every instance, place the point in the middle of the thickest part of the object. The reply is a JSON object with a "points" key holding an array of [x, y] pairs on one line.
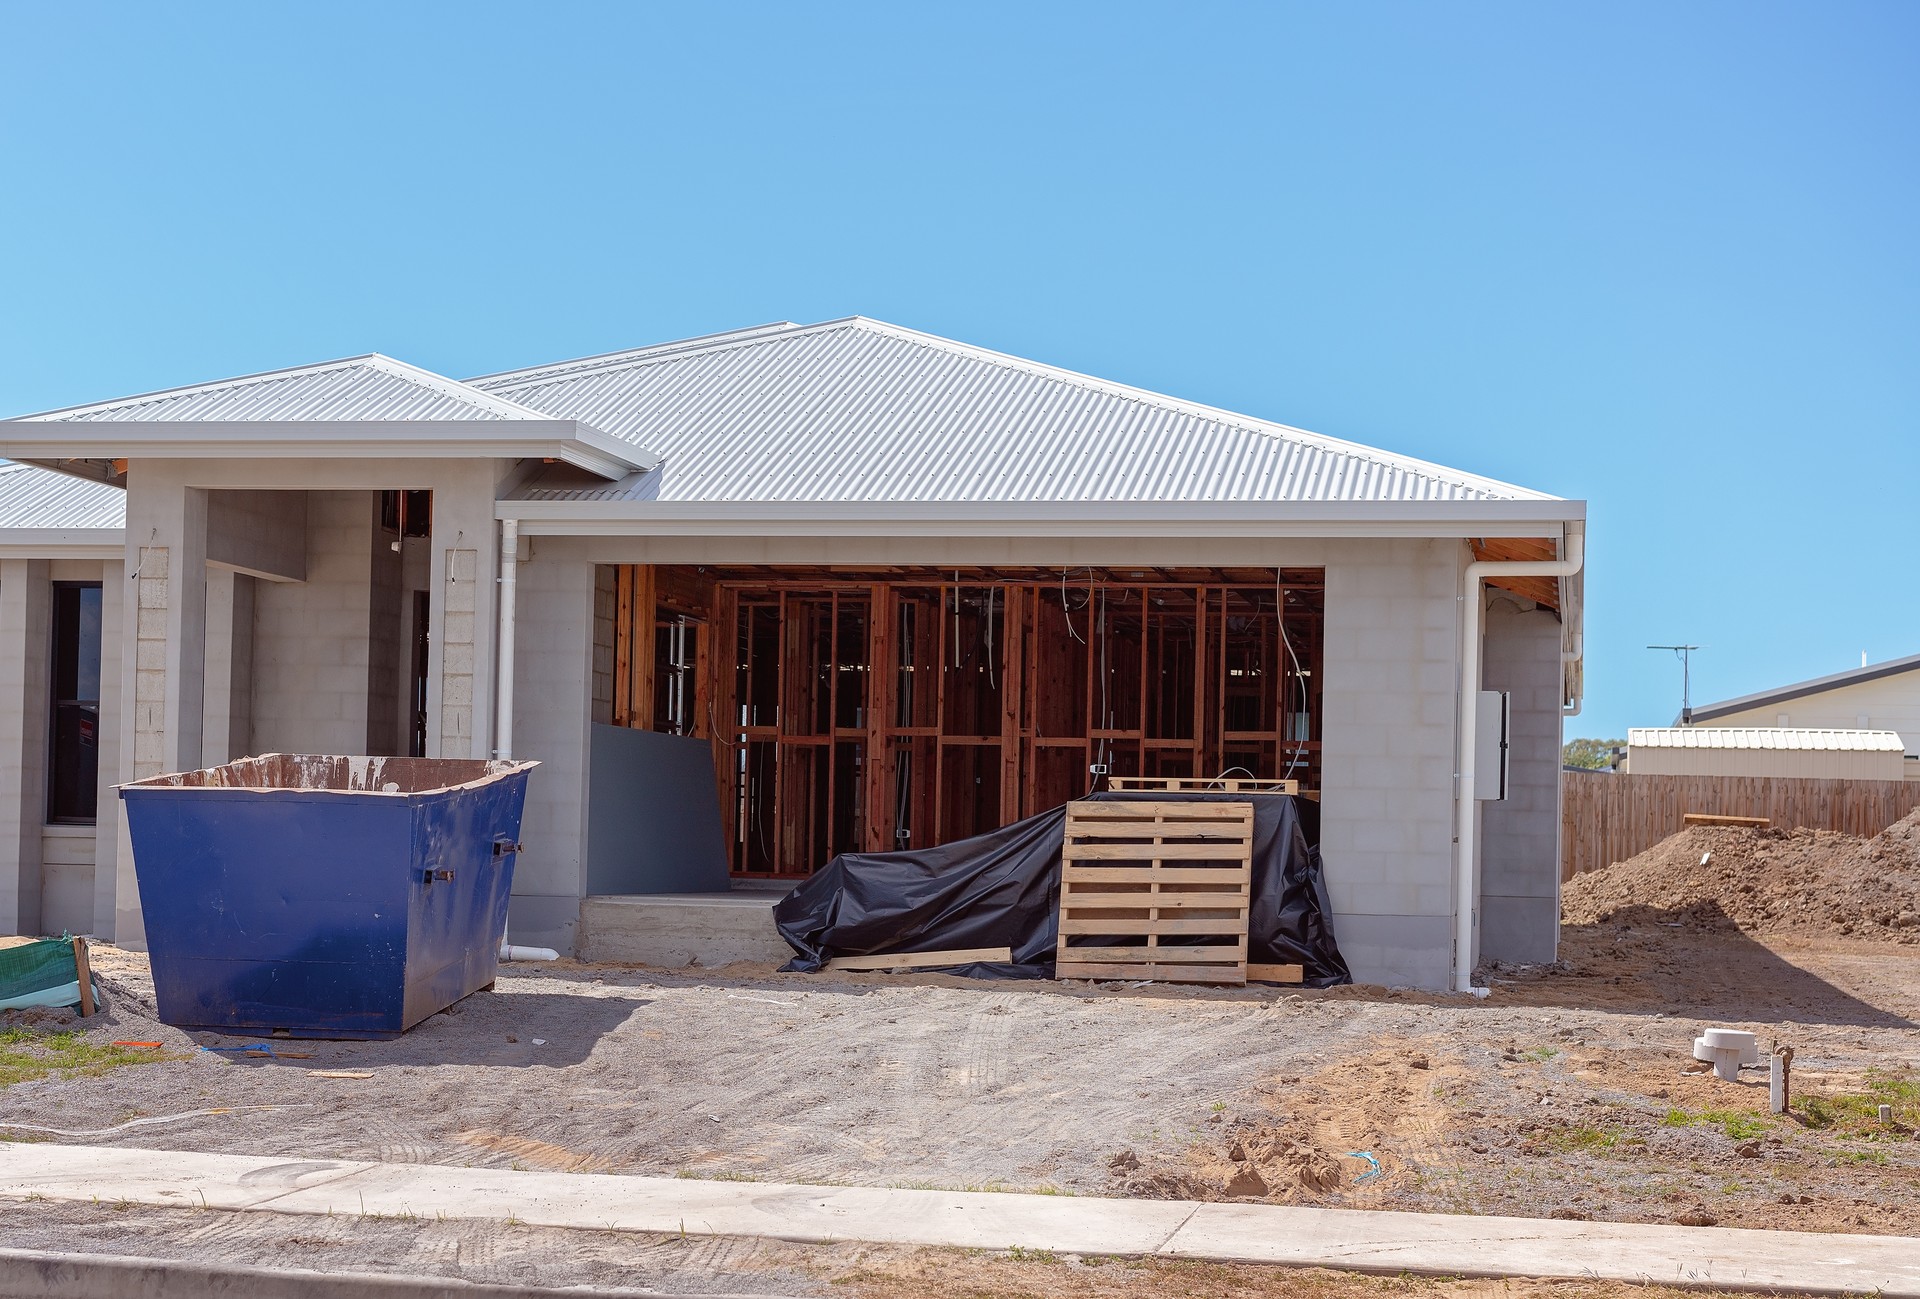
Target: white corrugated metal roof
{"points": [[859, 411], [38, 499], [360, 388], [1764, 737]]}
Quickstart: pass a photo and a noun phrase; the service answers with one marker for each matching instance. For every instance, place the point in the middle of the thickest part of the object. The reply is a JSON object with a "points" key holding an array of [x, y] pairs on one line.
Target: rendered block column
{"points": [[1520, 836], [163, 679], [106, 829], [25, 613]]}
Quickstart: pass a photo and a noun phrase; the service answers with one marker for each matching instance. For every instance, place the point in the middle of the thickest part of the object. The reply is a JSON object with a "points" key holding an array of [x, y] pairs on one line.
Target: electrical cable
{"points": [[1280, 619]]}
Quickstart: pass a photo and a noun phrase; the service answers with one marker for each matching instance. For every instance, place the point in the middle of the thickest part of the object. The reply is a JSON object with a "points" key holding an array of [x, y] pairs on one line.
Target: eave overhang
{"points": [[83, 447], [1506, 518]]}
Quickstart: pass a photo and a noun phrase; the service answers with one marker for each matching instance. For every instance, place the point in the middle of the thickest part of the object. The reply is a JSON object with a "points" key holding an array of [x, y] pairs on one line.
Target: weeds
{"points": [[1582, 1139], [26, 1055], [1857, 1114], [1020, 1254], [1738, 1125]]}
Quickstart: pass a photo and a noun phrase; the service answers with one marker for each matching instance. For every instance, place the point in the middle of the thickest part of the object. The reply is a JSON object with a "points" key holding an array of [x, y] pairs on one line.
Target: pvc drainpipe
{"points": [[503, 698], [1573, 656], [509, 587], [1466, 866]]}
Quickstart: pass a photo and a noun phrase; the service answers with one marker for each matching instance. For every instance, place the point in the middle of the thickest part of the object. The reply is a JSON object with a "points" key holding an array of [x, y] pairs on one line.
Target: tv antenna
{"points": [[1684, 654]]}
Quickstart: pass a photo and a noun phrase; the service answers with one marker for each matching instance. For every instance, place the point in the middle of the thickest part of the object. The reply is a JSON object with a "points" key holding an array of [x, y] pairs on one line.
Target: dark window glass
{"points": [[74, 759]]}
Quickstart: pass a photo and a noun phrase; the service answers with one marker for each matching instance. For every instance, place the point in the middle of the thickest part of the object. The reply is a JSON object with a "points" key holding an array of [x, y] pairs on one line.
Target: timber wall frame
{"points": [[873, 710]]}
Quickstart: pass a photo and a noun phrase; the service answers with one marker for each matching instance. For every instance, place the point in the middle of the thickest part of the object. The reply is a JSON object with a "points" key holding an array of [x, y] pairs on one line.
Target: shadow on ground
{"points": [[1644, 960], [504, 1028]]}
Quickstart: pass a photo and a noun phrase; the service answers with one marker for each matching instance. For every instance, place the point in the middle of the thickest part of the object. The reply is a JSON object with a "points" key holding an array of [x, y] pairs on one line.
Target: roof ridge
{"points": [[1218, 414], [762, 335], [192, 389], [455, 389], [624, 356], [458, 389]]}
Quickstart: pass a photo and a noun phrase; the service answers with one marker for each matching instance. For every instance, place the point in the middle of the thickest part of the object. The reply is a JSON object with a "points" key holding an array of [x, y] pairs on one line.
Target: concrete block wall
{"points": [[386, 642], [1387, 761], [605, 609], [554, 652], [1520, 836], [312, 639], [26, 611], [106, 825]]}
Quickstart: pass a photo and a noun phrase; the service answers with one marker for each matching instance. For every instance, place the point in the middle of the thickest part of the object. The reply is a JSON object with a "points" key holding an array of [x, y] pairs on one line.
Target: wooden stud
{"points": [[85, 971], [924, 960]]}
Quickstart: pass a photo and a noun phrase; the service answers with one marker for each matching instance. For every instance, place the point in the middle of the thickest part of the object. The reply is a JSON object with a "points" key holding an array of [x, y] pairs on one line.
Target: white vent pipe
{"points": [[1466, 864]]}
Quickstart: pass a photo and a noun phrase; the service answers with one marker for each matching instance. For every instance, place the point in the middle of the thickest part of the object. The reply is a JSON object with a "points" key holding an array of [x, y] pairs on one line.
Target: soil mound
{"points": [[1765, 881]]}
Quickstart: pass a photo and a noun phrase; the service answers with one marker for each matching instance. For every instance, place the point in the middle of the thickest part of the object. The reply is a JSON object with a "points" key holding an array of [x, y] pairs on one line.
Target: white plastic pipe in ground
{"points": [[1466, 865], [508, 952]]}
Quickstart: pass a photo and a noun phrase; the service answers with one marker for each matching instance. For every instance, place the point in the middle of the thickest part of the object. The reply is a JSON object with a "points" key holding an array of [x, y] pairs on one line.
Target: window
{"points": [[74, 758]]}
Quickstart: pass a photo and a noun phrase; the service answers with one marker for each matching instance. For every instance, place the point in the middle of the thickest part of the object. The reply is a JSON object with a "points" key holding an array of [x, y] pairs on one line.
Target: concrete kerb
{"points": [[1354, 1240], [39, 1274]]}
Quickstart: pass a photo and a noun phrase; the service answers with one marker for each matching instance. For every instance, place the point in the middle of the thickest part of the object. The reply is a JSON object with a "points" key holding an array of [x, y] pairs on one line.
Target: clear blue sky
{"points": [[1662, 257]]}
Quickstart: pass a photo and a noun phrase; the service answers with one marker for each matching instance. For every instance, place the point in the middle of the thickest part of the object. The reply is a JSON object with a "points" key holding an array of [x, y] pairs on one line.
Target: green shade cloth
{"points": [[39, 974]]}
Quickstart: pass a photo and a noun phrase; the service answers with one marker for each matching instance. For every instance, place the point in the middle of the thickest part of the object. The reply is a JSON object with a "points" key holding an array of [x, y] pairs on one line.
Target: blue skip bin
{"points": [[322, 896]]}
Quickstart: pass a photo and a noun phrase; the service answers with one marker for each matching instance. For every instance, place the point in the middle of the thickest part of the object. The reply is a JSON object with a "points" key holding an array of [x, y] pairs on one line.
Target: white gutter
{"points": [[1466, 865], [509, 588]]}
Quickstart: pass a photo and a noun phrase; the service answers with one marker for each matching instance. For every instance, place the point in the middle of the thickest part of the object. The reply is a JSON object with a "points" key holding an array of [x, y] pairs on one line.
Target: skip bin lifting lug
{"points": [[429, 876], [503, 847]]}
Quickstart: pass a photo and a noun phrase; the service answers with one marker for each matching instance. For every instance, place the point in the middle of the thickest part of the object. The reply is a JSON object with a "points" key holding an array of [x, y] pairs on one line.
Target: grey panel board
{"points": [[1520, 929], [1408, 951], [544, 920], [653, 815]]}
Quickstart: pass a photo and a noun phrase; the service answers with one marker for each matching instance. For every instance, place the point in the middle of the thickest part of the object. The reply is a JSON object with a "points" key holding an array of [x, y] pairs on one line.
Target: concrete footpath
{"points": [[1354, 1240]]}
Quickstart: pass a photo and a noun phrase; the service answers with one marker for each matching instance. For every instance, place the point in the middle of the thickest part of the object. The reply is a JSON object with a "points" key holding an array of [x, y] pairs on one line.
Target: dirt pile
{"points": [[1765, 881]]}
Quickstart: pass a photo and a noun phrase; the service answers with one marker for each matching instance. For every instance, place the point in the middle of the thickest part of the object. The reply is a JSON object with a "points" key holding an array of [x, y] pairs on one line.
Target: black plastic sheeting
{"points": [[1002, 889]]}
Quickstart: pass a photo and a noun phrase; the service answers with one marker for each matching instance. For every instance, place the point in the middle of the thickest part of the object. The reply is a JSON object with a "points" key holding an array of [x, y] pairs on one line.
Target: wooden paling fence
{"points": [[1607, 818]]}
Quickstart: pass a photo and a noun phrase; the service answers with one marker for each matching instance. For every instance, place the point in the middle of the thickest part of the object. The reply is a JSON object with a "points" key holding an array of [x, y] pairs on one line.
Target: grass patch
{"points": [[1857, 1114], [1582, 1139], [1738, 1125], [1020, 1254], [26, 1055], [1542, 1054]]}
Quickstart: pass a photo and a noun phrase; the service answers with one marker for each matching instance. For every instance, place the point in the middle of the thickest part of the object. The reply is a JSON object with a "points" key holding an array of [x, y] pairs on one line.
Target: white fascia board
{"points": [[1522, 518], [63, 543], [560, 439]]}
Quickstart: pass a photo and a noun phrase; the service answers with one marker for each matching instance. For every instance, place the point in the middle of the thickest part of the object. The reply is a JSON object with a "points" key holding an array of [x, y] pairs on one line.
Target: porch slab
{"points": [[674, 930]]}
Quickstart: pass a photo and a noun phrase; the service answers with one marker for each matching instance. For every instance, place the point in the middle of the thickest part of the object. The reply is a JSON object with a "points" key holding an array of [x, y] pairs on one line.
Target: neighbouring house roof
{"points": [[363, 405], [1772, 738], [1799, 690], [860, 411], [41, 510]]}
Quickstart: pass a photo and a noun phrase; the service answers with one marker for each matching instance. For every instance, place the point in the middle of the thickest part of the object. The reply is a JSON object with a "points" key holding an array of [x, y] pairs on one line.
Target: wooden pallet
{"points": [[1200, 785], [1135, 873]]}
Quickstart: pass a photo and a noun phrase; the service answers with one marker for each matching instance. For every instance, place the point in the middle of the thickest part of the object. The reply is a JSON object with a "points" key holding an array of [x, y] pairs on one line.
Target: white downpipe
{"points": [[503, 697], [1466, 865], [509, 587], [1573, 656]]}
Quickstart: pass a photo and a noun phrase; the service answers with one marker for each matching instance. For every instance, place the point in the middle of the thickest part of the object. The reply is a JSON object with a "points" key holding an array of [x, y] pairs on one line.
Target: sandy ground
{"points": [[1562, 1093]]}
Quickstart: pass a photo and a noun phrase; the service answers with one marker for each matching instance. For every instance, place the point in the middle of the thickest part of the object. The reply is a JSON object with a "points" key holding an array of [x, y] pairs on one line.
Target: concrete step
{"points": [[679, 929]]}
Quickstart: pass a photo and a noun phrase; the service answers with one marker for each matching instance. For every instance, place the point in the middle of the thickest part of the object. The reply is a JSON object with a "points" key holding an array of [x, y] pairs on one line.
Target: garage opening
{"points": [[873, 709]]}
